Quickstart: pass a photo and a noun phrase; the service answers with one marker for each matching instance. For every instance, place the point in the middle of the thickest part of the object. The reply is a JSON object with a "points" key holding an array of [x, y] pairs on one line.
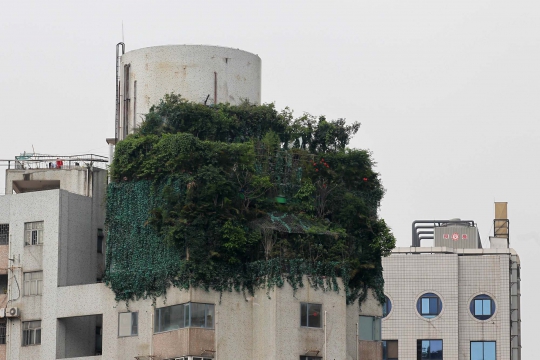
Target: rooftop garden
{"points": [[237, 198]]}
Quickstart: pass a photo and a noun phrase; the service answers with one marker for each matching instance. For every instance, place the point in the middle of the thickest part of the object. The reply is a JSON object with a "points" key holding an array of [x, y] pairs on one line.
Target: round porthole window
{"points": [[482, 307], [429, 305], [387, 307]]}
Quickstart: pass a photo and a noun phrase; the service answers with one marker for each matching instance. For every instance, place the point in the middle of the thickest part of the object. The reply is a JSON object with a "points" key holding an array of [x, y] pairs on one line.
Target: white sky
{"points": [[446, 91]]}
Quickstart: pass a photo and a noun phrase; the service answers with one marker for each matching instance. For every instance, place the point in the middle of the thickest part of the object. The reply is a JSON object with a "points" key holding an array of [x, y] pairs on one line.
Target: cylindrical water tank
{"points": [[198, 73]]}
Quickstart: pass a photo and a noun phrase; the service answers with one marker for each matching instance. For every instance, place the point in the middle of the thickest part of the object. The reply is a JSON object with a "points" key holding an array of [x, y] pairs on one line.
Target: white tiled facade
{"points": [[456, 276]]}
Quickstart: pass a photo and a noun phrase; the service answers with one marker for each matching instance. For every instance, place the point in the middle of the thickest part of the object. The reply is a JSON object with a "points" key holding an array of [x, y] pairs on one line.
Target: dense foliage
{"points": [[242, 197]]}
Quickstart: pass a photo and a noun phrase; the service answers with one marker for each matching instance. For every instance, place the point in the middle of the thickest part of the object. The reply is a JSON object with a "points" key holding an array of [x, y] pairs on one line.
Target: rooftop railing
{"points": [[41, 161]]}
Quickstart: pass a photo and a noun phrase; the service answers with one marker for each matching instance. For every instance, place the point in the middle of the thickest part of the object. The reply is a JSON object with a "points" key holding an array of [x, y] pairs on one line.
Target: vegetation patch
{"points": [[239, 198]]}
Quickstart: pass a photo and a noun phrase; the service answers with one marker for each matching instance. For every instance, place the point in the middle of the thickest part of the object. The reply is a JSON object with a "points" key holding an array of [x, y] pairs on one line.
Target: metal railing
{"points": [[41, 161]]}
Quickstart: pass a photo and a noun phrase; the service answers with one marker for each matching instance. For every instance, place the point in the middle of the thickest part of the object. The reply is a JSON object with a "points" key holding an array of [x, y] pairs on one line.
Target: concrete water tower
{"points": [[199, 73]]}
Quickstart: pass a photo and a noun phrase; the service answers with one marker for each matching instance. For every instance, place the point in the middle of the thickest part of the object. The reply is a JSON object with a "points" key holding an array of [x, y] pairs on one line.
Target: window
{"points": [[100, 241], [387, 307], [3, 284], [429, 305], [370, 328], [310, 358], [128, 324], [33, 233], [429, 349], [31, 332], [4, 234], [390, 349], [483, 350], [33, 283], [310, 315], [3, 332], [482, 307], [184, 315]]}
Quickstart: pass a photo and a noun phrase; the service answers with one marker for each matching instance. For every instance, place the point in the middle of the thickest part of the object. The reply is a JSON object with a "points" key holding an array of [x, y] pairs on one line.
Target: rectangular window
{"points": [[33, 233], [33, 283], [369, 328], [429, 349], [3, 332], [100, 241], [390, 350], [184, 315], [3, 284], [483, 350], [482, 307], [310, 358], [31, 333], [4, 234], [310, 315], [128, 324]]}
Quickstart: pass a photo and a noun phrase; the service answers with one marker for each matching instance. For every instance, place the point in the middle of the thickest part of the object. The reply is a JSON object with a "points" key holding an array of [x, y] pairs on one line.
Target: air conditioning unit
{"points": [[12, 312]]}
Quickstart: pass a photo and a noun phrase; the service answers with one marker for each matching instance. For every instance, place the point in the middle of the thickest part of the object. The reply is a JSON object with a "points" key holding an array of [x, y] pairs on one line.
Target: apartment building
{"points": [[54, 306], [453, 299]]}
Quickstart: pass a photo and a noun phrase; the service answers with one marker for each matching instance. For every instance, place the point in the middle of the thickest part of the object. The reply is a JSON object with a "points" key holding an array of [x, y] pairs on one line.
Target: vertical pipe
{"points": [[134, 105], [325, 358], [215, 88], [356, 344], [152, 332], [119, 46], [216, 335]]}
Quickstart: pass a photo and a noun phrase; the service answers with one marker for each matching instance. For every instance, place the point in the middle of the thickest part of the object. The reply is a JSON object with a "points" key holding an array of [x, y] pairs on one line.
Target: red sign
{"points": [[455, 236], [464, 237], [446, 236]]}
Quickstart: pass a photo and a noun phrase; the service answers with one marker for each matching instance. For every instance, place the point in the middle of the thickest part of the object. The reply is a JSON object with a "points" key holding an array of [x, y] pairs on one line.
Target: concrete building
{"points": [[453, 299], [200, 73], [54, 305]]}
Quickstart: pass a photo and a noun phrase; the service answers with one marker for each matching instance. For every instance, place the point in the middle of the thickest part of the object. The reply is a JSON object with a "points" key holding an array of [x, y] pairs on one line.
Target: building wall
{"points": [[456, 279], [188, 70], [406, 278], [67, 256], [488, 275]]}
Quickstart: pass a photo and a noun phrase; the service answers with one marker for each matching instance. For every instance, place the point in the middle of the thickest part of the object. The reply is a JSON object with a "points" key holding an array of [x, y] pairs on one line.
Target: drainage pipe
{"points": [[325, 336]]}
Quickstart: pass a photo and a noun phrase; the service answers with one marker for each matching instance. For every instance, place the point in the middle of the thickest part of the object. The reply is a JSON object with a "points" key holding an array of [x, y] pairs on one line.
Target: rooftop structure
{"points": [[199, 73]]}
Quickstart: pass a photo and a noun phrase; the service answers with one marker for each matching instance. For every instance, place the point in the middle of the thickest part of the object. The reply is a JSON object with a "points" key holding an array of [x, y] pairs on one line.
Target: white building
{"points": [[55, 306], [453, 299]]}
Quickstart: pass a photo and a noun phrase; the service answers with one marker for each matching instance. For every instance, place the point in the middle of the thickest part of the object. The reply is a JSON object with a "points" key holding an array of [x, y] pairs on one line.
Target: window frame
{"points": [[387, 306], [134, 315], [307, 306], [28, 284], [31, 331], [385, 349], [3, 329], [29, 229], [4, 234], [483, 349], [419, 344], [187, 316], [100, 238], [482, 298], [376, 332], [420, 305]]}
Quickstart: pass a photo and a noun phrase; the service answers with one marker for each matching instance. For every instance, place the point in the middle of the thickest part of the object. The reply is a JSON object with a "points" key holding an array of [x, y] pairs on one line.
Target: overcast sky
{"points": [[447, 91]]}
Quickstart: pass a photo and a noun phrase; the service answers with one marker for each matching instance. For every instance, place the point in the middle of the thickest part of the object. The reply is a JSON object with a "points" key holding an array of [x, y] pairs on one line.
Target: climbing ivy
{"points": [[242, 198]]}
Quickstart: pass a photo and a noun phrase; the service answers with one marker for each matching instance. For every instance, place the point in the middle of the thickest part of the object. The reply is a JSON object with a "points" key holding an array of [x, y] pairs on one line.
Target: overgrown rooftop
{"points": [[242, 197]]}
